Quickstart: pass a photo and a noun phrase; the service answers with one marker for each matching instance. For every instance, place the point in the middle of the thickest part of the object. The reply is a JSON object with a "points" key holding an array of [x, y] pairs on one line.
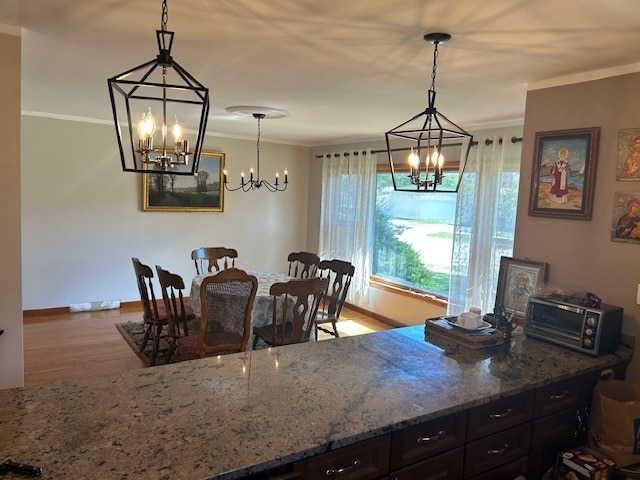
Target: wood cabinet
{"points": [[515, 435], [561, 418], [365, 460]]}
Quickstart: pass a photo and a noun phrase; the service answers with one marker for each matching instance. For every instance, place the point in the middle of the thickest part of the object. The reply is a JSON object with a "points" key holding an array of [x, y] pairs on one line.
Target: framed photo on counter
{"points": [[564, 173], [516, 281], [203, 192]]}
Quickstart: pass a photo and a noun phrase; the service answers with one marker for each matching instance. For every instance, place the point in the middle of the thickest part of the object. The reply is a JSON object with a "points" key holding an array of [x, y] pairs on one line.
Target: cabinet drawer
{"points": [[559, 396], [497, 450], [500, 415], [426, 439], [446, 466], [511, 470], [363, 461]]}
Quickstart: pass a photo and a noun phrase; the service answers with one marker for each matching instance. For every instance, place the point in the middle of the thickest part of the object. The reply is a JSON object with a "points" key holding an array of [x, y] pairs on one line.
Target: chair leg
{"points": [[145, 339], [335, 329], [156, 344]]}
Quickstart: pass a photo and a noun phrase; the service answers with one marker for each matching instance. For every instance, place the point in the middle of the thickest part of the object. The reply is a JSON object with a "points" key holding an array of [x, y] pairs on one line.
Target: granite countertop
{"points": [[229, 416]]}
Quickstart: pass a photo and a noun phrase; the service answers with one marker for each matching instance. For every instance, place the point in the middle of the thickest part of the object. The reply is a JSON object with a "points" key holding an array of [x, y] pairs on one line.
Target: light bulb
{"points": [[177, 131], [414, 160], [146, 125]]}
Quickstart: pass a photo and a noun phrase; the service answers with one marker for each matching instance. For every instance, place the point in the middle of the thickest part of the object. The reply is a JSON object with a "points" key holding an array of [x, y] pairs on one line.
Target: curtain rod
{"points": [[488, 141]]}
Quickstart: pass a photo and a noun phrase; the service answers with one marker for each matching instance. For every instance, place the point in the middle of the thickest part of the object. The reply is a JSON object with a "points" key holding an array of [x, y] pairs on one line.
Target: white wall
{"points": [[82, 219], [11, 342]]}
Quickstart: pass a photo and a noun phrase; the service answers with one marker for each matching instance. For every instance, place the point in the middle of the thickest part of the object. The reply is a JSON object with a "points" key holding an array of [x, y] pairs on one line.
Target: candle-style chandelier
{"points": [[255, 182], [160, 87], [429, 138]]}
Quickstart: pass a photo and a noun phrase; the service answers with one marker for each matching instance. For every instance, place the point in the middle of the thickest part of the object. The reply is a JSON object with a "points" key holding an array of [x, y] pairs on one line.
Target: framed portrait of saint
{"points": [[628, 167], [625, 225]]}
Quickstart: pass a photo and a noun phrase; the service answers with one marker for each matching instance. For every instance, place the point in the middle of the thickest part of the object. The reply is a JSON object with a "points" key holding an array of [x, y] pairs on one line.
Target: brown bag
{"points": [[614, 425]]}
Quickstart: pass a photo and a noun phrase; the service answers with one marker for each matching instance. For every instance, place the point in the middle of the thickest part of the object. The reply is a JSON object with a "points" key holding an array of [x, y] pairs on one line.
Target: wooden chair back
{"points": [[303, 264], [339, 274], [206, 259], [227, 301], [178, 313], [150, 311], [294, 308]]}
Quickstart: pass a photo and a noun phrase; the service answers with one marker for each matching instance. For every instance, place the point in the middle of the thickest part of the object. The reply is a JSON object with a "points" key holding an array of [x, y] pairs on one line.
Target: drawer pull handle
{"points": [[498, 451], [497, 416], [560, 396], [342, 470], [432, 438]]}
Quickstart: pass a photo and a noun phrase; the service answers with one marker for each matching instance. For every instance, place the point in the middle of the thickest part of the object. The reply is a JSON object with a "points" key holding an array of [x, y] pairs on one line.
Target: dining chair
{"points": [[294, 307], [206, 259], [154, 316], [303, 264], [178, 312], [225, 325], [339, 273]]}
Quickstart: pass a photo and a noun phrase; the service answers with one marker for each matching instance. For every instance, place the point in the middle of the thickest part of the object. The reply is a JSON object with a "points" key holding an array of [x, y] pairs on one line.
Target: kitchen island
{"points": [[232, 416]]}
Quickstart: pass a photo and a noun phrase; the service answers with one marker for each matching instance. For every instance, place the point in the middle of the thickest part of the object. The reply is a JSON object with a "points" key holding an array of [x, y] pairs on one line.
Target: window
{"points": [[413, 236]]}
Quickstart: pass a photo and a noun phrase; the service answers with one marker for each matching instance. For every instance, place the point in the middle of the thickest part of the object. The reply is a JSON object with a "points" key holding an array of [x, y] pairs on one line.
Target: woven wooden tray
{"points": [[440, 328]]}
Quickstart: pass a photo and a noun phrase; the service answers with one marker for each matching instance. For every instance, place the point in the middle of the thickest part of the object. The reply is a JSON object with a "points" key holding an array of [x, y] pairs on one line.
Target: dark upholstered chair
{"points": [[339, 273], [295, 304], [206, 259], [227, 300], [303, 264], [178, 313], [154, 314]]}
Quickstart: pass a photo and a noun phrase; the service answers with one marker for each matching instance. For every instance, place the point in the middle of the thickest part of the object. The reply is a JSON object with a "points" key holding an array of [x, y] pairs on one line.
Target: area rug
{"points": [[133, 333]]}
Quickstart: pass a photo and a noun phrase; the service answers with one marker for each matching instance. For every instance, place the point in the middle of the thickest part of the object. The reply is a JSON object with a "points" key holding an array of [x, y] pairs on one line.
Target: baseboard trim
{"points": [[381, 318], [45, 312]]}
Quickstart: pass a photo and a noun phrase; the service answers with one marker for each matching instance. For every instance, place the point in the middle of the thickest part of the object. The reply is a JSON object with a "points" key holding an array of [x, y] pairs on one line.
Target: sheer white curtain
{"points": [[485, 223], [346, 221]]}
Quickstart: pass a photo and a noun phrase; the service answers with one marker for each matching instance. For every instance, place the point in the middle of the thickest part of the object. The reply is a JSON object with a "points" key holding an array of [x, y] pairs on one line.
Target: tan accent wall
{"points": [[580, 253], [11, 343]]}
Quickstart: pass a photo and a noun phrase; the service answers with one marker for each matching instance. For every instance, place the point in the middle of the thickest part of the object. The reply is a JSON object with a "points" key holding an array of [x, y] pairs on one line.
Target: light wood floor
{"points": [[63, 346]]}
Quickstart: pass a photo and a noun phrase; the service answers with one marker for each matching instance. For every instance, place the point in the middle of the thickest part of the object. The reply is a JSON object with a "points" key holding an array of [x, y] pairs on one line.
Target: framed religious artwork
{"points": [[516, 281], [203, 192], [625, 224], [564, 173], [628, 167]]}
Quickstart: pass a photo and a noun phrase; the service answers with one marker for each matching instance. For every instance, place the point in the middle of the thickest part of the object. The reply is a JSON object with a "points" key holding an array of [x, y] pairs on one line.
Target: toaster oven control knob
{"points": [[591, 321], [588, 332], [587, 342]]}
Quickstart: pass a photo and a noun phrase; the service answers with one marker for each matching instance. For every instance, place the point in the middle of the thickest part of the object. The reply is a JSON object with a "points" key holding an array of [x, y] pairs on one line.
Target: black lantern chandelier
{"points": [[255, 182], [430, 139], [160, 88]]}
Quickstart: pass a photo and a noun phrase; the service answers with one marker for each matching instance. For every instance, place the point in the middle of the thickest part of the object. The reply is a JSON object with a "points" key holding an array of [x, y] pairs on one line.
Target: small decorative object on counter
{"points": [[15, 467], [591, 300]]}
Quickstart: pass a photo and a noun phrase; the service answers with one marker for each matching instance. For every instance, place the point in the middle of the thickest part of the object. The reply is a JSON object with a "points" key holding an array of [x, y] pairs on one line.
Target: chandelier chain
{"points": [[258, 148], [165, 16], [433, 71]]}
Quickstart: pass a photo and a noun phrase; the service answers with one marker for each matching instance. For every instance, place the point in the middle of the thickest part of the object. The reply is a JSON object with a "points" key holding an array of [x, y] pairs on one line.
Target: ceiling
{"points": [[345, 70]]}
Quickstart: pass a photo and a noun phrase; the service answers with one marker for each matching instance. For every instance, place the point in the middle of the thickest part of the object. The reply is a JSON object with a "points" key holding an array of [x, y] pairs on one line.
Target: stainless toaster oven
{"points": [[594, 331]]}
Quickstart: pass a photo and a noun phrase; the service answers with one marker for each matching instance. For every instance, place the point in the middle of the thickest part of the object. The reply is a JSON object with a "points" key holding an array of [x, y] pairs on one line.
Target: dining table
{"points": [[262, 305]]}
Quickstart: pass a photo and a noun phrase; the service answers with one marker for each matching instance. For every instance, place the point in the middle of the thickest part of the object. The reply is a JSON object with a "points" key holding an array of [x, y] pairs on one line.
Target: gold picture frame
{"points": [[204, 192]]}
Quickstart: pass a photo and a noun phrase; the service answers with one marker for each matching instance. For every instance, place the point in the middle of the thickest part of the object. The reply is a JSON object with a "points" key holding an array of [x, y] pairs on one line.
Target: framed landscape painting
{"points": [[203, 192], [516, 281], [564, 173]]}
